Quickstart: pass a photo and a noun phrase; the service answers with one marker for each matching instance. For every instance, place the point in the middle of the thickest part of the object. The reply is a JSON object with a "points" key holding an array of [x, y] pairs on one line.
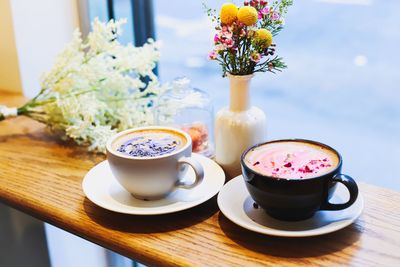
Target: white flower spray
{"points": [[96, 88]]}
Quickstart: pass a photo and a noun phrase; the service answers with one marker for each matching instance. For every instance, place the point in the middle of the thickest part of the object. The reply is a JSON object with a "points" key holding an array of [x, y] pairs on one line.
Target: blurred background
{"points": [[341, 86]]}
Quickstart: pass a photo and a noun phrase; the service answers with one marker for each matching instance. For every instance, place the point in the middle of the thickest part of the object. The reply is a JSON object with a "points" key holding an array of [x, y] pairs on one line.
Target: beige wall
{"points": [[41, 28], [9, 69], [32, 33]]}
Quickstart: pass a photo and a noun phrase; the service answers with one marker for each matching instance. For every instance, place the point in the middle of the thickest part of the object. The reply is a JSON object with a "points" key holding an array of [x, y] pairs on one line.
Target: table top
{"points": [[42, 176]]}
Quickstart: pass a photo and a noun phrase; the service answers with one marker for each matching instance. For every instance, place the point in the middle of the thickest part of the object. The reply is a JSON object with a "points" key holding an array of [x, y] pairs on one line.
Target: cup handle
{"points": [[353, 190], [198, 170]]}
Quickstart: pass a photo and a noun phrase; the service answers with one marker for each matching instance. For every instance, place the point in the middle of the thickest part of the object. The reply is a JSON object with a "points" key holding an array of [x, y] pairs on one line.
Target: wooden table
{"points": [[42, 176]]}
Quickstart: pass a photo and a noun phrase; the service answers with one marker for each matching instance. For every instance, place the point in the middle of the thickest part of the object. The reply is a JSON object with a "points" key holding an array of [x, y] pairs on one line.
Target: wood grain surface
{"points": [[42, 176]]}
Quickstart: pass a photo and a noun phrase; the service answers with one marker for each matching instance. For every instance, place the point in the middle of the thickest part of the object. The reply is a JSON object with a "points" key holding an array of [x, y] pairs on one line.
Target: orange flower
{"points": [[264, 38], [228, 13], [247, 15]]}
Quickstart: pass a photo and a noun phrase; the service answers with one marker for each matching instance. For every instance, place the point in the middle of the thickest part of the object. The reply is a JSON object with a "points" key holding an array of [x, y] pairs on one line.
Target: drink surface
{"points": [[149, 143], [291, 160]]}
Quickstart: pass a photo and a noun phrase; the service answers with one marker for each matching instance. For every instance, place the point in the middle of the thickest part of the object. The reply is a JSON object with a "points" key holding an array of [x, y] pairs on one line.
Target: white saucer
{"points": [[100, 187], [236, 204]]}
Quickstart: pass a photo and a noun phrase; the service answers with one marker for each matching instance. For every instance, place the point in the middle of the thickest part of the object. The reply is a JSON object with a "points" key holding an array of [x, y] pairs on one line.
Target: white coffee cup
{"points": [[151, 178]]}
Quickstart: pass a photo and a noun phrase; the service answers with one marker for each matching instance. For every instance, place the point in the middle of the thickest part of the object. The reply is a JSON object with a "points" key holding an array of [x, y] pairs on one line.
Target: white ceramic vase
{"points": [[238, 126]]}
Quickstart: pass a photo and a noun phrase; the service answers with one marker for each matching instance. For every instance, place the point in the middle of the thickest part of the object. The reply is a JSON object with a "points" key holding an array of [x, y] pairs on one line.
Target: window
{"points": [[340, 87]]}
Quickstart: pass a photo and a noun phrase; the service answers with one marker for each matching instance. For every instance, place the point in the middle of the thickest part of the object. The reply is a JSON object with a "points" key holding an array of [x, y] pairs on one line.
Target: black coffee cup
{"points": [[298, 198]]}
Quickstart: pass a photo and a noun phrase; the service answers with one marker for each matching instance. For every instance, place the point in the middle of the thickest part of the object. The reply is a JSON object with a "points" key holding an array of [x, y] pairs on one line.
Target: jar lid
{"points": [[183, 95], [181, 83]]}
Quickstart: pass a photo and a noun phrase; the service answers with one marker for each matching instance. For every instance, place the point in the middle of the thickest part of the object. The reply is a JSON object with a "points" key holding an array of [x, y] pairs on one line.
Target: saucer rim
{"points": [[143, 211], [284, 233]]}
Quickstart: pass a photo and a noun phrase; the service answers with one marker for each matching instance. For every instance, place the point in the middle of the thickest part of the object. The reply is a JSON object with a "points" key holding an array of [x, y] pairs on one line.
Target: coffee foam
{"points": [[291, 159], [155, 134]]}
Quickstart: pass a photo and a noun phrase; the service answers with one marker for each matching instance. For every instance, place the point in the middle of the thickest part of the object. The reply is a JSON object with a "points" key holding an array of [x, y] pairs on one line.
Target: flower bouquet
{"points": [[244, 39], [243, 45], [96, 87]]}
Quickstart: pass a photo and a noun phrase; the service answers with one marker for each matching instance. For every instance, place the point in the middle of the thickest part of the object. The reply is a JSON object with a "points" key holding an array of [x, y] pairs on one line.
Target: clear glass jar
{"points": [[189, 109]]}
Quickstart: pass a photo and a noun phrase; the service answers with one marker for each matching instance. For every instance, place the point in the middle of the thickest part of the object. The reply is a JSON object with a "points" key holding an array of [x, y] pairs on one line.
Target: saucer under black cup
{"points": [[297, 199]]}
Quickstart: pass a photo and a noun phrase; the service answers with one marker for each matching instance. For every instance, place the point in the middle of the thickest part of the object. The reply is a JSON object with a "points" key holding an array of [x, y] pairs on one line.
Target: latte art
{"points": [[291, 160], [150, 143]]}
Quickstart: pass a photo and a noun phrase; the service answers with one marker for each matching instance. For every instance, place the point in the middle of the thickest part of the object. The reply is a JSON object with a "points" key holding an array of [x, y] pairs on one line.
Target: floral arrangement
{"points": [[244, 38], [96, 88]]}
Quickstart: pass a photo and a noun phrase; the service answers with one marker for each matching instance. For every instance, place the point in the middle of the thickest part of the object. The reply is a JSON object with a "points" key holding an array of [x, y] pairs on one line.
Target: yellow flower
{"points": [[264, 38], [228, 13], [247, 15]]}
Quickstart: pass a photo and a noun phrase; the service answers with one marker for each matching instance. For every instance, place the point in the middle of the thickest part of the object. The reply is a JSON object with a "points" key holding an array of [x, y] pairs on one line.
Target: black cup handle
{"points": [[350, 185]]}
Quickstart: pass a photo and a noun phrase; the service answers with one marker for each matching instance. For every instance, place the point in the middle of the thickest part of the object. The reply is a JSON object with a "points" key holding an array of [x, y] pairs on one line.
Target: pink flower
{"points": [[263, 12], [222, 35], [255, 57], [212, 55], [227, 35], [275, 16], [216, 38], [229, 42]]}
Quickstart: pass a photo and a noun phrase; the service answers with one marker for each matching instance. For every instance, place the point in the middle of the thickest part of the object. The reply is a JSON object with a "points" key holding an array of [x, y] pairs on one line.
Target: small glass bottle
{"points": [[189, 109]]}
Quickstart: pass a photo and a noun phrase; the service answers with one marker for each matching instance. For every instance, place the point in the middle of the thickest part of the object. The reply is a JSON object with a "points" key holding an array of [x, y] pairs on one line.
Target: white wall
{"points": [[41, 28]]}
